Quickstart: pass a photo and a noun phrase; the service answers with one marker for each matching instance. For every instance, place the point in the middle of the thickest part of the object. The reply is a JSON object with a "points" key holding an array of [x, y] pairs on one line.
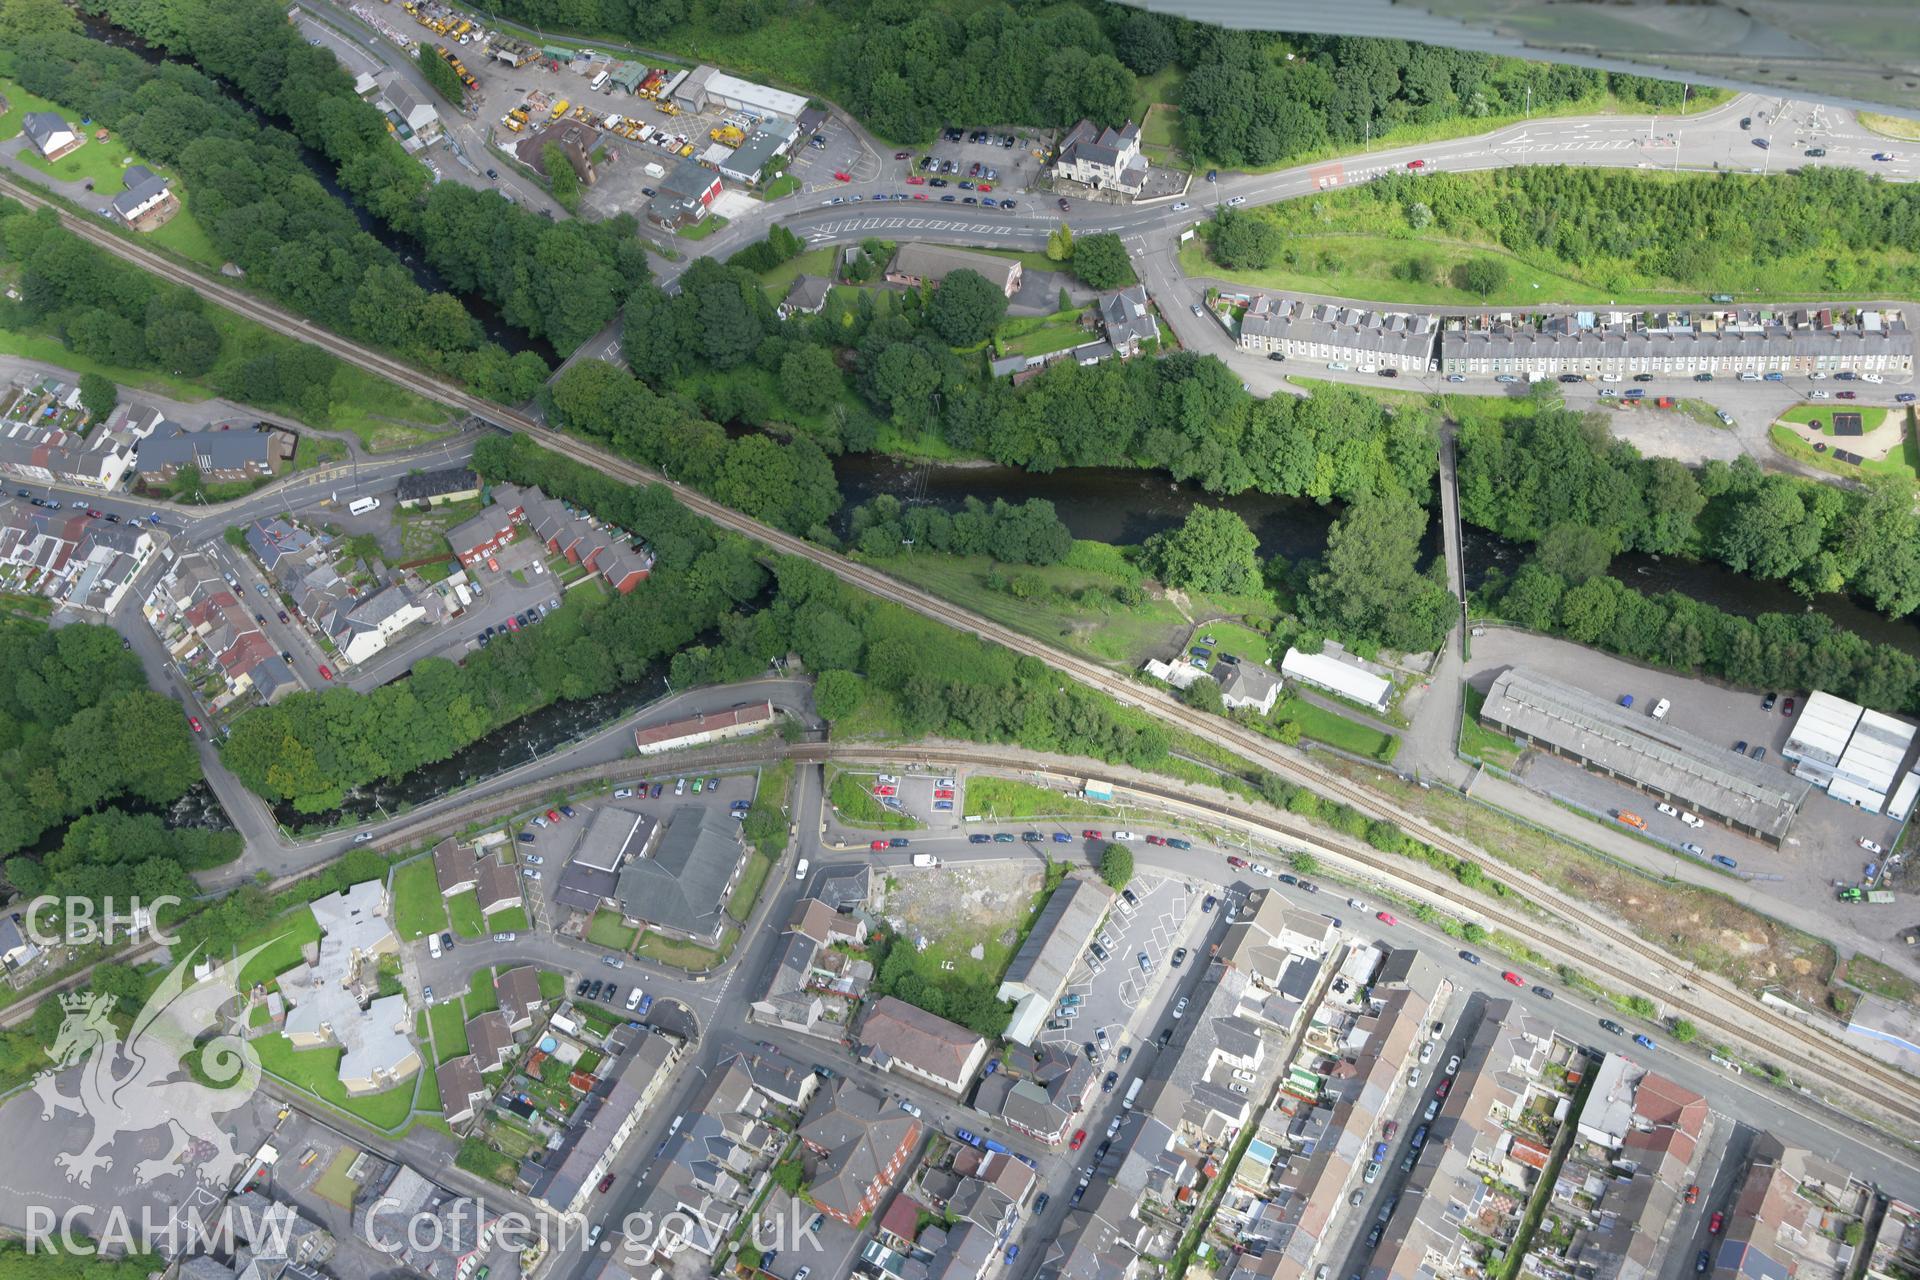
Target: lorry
{"points": [[925, 860], [465, 596]]}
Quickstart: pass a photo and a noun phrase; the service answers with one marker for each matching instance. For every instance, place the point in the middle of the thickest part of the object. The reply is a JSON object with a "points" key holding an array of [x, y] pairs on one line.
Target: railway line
{"points": [[1821, 1056]]}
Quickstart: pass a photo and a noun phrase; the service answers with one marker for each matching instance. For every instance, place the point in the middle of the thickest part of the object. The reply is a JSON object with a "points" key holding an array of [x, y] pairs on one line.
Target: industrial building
{"points": [[1651, 754], [1344, 679], [1854, 752], [708, 87]]}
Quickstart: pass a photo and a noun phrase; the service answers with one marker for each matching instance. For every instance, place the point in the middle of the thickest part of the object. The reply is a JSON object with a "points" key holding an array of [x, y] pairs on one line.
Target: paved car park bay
{"points": [[1822, 844]]}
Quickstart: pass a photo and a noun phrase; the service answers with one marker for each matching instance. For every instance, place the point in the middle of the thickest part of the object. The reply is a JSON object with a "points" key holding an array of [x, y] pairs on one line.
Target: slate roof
{"points": [[858, 1132], [681, 885], [1384, 333], [432, 484], [143, 184], [910, 1035]]}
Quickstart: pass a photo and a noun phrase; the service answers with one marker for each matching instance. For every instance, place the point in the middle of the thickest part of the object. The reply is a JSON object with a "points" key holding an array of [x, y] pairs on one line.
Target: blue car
{"points": [[1725, 861], [977, 838], [1013, 1251], [1061, 837], [966, 1137], [1626, 699], [1644, 1043], [943, 804]]}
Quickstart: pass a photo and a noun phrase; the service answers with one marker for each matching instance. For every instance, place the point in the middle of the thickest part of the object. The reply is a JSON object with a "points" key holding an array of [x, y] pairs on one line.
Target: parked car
{"points": [[1513, 979], [1644, 1042]]}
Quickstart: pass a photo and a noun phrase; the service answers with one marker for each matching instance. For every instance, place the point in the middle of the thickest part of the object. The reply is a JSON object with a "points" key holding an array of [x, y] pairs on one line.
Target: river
{"points": [[515, 340], [1127, 506], [534, 734]]}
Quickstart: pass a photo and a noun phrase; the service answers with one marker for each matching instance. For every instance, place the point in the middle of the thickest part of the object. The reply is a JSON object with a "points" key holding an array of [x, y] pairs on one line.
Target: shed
{"points": [[1342, 679]]}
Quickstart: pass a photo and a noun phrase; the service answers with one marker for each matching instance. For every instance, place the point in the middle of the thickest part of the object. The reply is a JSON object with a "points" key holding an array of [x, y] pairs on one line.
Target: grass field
{"points": [[814, 262], [449, 1031], [1905, 461], [1241, 642], [463, 909], [747, 892], [1336, 730], [512, 920], [418, 908], [1072, 604], [607, 930], [1871, 415], [317, 1072], [1479, 742], [684, 955], [1353, 243], [334, 1186], [1891, 126], [784, 185], [481, 997], [284, 938], [702, 229], [853, 798], [1043, 335], [993, 797]]}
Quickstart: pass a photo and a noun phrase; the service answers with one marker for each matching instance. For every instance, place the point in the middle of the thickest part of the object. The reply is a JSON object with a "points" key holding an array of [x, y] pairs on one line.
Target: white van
{"points": [[360, 506], [433, 945], [800, 871], [1661, 708]]}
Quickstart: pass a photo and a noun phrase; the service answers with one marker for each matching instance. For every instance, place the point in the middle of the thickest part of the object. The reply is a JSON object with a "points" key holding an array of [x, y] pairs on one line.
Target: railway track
{"points": [[1821, 1055]]}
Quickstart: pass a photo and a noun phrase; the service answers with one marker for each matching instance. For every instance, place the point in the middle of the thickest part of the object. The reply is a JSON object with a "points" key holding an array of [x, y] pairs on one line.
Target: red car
{"points": [[1693, 1193], [878, 844], [1715, 1223], [1848, 395], [553, 815], [1156, 839], [1393, 1127], [843, 177], [513, 624], [325, 673], [984, 186], [92, 514], [1446, 1087], [1091, 834], [899, 155], [1238, 864], [1078, 1138], [606, 1184], [1786, 708], [916, 181], [1513, 978], [194, 721], [921, 195], [1416, 164], [884, 791], [942, 794], [1385, 917]]}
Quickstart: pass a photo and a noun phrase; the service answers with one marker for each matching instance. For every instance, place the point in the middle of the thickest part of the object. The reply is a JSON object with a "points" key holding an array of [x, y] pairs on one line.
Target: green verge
{"points": [[856, 804], [418, 908]]}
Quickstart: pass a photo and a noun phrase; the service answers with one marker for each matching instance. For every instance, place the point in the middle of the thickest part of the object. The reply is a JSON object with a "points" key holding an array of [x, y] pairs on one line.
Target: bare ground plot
{"points": [[965, 919], [1712, 931]]}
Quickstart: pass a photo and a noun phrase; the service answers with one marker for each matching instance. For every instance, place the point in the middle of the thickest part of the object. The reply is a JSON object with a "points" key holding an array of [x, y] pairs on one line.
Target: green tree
{"points": [[98, 395], [1204, 695], [1116, 865], [1060, 243], [835, 694], [1684, 1031], [1482, 276], [809, 378], [562, 181], [965, 308], [1212, 550], [1244, 241], [1100, 262], [1305, 863], [1575, 551], [441, 77], [1369, 586]]}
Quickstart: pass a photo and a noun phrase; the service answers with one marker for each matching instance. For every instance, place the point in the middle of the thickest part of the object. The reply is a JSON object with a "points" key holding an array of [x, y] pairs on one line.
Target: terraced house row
{"points": [[1716, 341]]}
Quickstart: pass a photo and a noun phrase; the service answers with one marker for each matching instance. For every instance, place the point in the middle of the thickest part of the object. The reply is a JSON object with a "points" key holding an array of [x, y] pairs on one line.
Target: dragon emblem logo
{"points": [[184, 1061]]}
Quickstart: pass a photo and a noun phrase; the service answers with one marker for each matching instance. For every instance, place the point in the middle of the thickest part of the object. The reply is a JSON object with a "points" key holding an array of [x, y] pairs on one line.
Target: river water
{"points": [[534, 734], [1118, 505], [515, 340]]}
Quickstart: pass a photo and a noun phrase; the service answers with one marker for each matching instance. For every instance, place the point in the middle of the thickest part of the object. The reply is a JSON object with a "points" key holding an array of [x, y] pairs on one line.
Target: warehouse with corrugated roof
{"points": [[1651, 754]]}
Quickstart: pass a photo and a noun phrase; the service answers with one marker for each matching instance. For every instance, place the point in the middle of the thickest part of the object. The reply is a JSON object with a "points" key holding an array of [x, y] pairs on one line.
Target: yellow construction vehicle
{"points": [[513, 124], [668, 109], [463, 28], [727, 135], [687, 150], [559, 109]]}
